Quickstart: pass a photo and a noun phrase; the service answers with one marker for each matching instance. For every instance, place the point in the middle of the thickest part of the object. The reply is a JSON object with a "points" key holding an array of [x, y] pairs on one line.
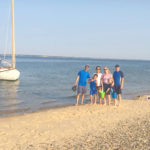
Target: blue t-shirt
{"points": [[83, 76], [93, 85], [117, 77]]}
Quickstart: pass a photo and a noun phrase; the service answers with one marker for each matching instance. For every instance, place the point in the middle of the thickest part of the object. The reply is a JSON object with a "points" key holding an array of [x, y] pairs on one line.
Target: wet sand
{"points": [[90, 127]]}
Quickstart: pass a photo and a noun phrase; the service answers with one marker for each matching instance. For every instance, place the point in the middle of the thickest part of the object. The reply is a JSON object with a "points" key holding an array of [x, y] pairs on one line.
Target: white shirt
{"points": [[99, 79]]}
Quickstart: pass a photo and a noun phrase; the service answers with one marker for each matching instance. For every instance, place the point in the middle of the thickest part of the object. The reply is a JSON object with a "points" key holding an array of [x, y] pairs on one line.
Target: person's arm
{"points": [[113, 82], [102, 83], [77, 79], [122, 82], [107, 90], [89, 80], [96, 83], [122, 79]]}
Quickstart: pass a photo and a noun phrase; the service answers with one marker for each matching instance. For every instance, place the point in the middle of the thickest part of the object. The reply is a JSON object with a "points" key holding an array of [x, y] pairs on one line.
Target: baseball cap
{"points": [[117, 65]]}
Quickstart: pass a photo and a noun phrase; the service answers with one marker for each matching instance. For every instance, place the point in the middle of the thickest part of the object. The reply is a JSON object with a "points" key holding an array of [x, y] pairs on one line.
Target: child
{"points": [[111, 89], [93, 90]]}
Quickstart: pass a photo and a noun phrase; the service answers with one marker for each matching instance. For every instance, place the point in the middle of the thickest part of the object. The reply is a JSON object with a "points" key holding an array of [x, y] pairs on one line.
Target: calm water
{"points": [[47, 82]]}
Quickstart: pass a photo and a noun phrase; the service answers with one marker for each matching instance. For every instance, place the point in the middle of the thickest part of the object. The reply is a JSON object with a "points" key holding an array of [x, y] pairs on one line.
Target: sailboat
{"points": [[10, 72]]}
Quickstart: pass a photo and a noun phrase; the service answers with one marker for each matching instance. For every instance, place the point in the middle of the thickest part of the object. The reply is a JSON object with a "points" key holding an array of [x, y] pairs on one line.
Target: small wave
{"points": [[14, 104], [137, 93], [8, 112], [55, 106], [74, 96], [48, 102]]}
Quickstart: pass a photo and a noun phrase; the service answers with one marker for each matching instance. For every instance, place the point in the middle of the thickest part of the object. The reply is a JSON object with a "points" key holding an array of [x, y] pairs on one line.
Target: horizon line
{"points": [[80, 57]]}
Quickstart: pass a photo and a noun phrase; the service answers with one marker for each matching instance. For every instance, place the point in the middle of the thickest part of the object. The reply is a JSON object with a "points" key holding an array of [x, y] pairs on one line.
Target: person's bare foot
{"points": [[104, 104], [76, 104]]}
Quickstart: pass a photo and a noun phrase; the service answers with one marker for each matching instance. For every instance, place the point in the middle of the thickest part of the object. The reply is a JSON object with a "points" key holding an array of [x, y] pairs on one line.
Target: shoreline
{"points": [[20, 112], [72, 127]]}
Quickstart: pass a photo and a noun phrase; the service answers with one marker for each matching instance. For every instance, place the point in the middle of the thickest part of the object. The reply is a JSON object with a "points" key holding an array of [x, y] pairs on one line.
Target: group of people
{"points": [[105, 86]]}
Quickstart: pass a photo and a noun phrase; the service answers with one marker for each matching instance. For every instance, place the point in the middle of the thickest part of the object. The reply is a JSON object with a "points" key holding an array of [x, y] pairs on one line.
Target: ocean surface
{"points": [[46, 82]]}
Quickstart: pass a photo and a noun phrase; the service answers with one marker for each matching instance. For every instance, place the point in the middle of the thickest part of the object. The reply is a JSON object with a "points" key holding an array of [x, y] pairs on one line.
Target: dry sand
{"points": [[86, 127]]}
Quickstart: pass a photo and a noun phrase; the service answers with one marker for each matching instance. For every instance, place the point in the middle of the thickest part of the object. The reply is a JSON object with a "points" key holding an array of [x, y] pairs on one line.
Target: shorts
{"points": [[118, 89], [92, 92], [81, 90], [106, 86]]}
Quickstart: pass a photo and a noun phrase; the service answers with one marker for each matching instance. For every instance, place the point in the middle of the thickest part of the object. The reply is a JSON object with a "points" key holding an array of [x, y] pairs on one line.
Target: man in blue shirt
{"points": [[118, 82], [81, 79]]}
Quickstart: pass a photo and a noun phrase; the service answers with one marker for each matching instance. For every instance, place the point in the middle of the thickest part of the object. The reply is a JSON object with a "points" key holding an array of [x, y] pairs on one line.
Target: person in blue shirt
{"points": [[118, 82], [81, 80], [93, 88]]}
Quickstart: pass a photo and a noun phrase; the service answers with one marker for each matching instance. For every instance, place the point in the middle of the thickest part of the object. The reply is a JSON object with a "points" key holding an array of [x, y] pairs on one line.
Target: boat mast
{"points": [[13, 37]]}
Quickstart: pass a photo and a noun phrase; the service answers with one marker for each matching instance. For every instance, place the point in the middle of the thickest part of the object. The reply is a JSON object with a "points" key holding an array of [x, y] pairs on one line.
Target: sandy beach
{"points": [[80, 127]]}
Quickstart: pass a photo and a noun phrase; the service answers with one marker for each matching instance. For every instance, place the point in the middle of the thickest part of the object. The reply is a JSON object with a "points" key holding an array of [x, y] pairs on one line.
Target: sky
{"points": [[80, 28]]}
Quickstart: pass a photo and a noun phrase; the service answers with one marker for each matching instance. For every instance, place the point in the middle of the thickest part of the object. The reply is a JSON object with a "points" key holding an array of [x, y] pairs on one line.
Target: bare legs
{"points": [[105, 100], [78, 96], [100, 100], [91, 99], [119, 99], [82, 99], [114, 101], [95, 98], [109, 99]]}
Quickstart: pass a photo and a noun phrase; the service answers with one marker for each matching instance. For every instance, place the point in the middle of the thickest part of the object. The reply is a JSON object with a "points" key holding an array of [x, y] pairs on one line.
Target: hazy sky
{"points": [[86, 28]]}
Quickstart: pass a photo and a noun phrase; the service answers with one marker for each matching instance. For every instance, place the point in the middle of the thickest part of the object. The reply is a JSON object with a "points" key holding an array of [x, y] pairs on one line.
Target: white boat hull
{"points": [[9, 74]]}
